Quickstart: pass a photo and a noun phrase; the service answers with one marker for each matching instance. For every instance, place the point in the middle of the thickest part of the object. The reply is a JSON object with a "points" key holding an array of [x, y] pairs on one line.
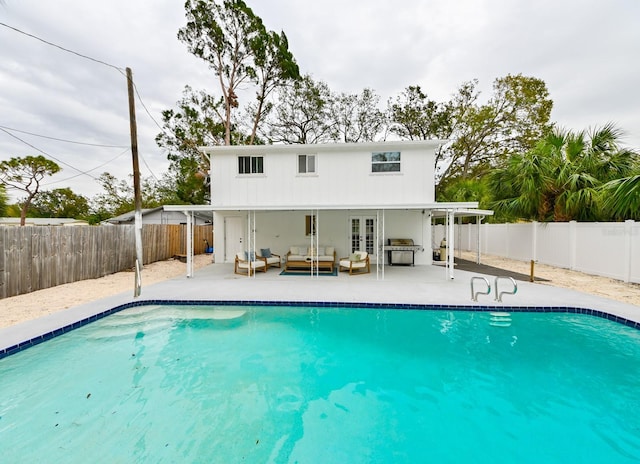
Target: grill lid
{"points": [[400, 241]]}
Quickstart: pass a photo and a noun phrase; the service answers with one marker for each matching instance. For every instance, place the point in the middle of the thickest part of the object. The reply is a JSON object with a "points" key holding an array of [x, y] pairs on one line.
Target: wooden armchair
{"points": [[357, 263], [270, 258], [244, 266]]}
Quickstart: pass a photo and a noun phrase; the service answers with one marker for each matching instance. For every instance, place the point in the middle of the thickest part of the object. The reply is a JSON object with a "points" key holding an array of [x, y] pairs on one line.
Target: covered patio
{"points": [[406, 220]]}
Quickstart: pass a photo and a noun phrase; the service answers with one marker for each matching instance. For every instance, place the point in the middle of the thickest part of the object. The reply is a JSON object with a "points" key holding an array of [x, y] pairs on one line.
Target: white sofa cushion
{"points": [[254, 264], [352, 264]]}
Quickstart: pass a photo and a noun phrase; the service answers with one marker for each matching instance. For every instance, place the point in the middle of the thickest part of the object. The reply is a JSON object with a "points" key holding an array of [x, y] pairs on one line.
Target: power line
{"points": [[61, 48], [62, 140], [87, 172], [45, 153], [88, 58]]}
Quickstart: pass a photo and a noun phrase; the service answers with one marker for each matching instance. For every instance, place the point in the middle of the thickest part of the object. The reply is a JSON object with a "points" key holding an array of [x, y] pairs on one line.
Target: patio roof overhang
{"points": [[472, 212], [441, 207]]}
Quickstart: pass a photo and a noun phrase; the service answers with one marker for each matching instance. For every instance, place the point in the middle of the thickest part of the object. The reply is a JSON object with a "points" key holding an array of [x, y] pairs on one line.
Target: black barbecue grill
{"points": [[401, 251]]}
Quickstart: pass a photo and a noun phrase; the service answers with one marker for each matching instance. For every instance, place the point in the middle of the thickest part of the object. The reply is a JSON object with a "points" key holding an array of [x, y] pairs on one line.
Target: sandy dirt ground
{"points": [[557, 277], [42, 302], [50, 300]]}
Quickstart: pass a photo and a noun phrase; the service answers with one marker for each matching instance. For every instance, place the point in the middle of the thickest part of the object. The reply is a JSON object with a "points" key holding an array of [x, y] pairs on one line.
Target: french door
{"points": [[362, 234]]}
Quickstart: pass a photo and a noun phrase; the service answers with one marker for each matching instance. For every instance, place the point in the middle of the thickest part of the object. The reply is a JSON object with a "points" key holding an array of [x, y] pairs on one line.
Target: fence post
{"points": [[573, 226], [534, 241], [628, 242]]}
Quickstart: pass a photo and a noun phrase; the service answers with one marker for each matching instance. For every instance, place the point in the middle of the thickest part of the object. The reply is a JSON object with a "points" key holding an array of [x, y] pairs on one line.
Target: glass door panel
{"points": [[362, 234]]}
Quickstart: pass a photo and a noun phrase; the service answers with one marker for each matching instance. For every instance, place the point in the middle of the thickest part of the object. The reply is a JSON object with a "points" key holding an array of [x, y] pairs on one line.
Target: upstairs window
{"points": [[250, 165], [306, 164], [385, 161]]}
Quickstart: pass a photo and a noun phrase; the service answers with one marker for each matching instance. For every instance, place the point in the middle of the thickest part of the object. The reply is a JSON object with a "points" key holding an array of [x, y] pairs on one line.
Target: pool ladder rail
{"points": [[474, 294], [499, 294]]}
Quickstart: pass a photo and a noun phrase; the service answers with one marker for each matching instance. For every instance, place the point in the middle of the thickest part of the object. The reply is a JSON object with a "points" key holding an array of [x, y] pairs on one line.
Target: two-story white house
{"points": [[350, 196]]}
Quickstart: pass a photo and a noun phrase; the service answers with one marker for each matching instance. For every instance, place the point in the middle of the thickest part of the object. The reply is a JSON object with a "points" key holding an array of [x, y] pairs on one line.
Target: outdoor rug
{"points": [[306, 272]]}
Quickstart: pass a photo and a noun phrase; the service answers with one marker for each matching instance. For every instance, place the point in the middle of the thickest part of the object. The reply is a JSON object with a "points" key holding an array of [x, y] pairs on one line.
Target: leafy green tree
{"points": [[233, 41], [118, 198], [25, 175], [465, 190], [302, 115], [514, 118], [59, 203], [275, 67], [414, 116], [194, 123], [563, 177], [4, 200], [358, 118], [512, 121]]}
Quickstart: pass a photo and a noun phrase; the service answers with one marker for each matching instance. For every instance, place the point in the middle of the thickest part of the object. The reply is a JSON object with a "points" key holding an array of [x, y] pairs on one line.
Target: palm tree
{"points": [[622, 198], [562, 178]]}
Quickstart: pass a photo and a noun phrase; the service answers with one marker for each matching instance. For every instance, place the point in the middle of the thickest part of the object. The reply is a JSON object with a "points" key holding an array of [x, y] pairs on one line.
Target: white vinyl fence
{"points": [[610, 249]]}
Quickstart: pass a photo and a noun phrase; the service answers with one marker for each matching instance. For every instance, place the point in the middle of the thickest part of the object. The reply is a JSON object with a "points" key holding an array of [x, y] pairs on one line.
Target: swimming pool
{"points": [[331, 384]]}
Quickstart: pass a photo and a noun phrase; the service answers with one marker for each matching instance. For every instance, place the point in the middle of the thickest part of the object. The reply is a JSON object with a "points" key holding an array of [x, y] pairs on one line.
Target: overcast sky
{"points": [[586, 51]]}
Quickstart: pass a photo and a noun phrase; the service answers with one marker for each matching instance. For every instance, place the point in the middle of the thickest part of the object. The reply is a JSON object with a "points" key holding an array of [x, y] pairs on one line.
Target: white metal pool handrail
{"points": [[474, 295], [499, 294]]}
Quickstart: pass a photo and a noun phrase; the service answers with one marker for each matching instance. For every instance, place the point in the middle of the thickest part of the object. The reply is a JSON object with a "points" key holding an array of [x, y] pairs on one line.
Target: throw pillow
{"points": [[294, 250], [354, 257], [265, 252]]}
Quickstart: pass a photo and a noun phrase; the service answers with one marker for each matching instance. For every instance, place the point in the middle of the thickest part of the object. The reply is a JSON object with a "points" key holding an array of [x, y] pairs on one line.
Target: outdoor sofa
{"points": [[304, 257]]}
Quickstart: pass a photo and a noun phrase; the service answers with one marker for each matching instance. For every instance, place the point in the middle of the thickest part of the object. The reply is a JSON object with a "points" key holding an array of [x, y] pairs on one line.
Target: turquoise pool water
{"points": [[286, 384]]}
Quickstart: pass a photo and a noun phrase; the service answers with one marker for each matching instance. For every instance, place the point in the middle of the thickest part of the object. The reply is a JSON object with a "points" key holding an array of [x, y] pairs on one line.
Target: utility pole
{"points": [[136, 186]]}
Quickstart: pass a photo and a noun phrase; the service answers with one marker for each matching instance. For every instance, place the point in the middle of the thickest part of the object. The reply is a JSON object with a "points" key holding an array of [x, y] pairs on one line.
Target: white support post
{"points": [[252, 250], [478, 228], [450, 246], [248, 244], [383, 240], [189, 250], [378, 247], [316, 231]]}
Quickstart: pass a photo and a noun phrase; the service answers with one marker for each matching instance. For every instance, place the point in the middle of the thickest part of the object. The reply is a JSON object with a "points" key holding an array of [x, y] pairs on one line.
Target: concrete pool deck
{"points": [[424, 285]]}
